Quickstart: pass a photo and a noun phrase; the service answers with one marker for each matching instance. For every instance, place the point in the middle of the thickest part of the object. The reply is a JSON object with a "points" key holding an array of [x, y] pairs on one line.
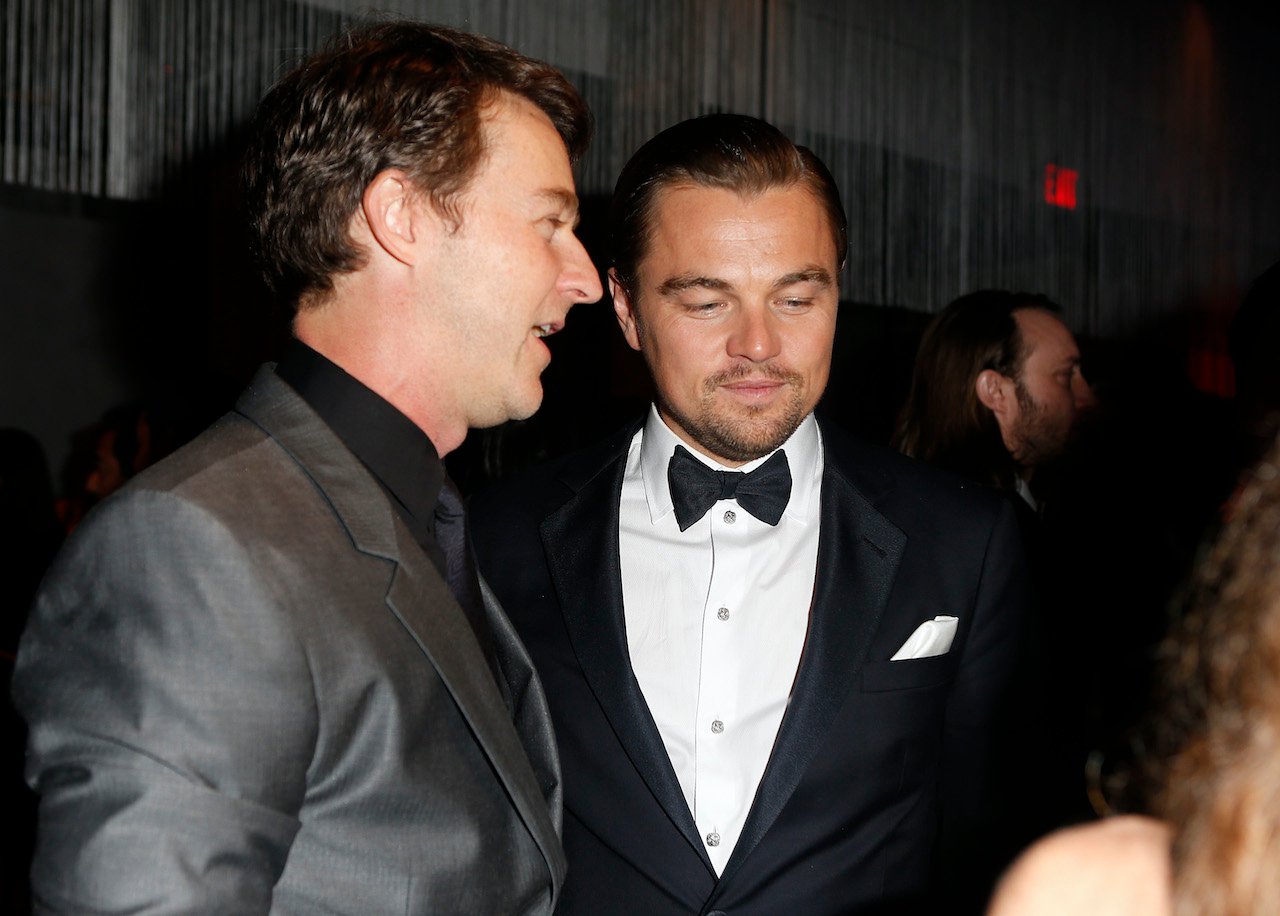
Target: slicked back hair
{"points": [[943, 423], [389, 95], [731, 151]]}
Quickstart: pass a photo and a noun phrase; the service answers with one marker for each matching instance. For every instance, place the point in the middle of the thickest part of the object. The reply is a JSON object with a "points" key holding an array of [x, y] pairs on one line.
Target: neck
{"points": [[377, 354]]}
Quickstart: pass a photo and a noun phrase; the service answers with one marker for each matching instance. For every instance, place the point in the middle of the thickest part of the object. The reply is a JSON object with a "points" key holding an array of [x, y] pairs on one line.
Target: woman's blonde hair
{"points": [[1220, 783]]}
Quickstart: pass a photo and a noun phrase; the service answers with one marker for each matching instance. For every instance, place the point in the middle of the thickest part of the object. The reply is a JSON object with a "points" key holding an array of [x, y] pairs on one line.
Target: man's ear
{"points": [[990, 387], [391, 211], [623, 308]]}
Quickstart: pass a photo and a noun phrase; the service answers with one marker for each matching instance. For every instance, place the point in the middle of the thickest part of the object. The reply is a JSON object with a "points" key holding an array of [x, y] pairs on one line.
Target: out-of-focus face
{"points": [[1050, 391], [734, 311], [509, 274]]}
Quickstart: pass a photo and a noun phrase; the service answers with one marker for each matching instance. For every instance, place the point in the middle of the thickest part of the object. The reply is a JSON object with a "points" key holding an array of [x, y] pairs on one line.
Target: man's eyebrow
{"points": [[693, 281], [679, 284], [809, 275], [564, 199]]}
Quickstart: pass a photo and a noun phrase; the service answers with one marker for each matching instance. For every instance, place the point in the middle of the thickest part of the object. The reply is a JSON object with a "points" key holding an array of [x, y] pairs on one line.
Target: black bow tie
{"points": [[695, 488]]}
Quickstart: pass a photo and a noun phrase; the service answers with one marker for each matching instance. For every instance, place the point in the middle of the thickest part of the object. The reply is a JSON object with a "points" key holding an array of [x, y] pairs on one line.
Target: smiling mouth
{"points": [[545, 330], [755, 385]]}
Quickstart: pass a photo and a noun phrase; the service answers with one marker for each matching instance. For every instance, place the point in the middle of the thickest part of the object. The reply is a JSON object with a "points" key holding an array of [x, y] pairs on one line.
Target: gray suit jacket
{"points": [[249, 690]]}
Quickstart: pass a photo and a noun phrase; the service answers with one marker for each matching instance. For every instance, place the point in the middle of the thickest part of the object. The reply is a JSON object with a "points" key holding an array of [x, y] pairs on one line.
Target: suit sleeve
{"points": [[978, 741], [171, 717]]}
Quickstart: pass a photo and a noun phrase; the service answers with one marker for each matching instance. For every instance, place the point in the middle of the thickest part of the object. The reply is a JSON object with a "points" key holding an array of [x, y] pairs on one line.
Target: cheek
{"points": [[1063, 401], [680, 350], [681, 374], [812, 355], [526, 268], [680, 371]]}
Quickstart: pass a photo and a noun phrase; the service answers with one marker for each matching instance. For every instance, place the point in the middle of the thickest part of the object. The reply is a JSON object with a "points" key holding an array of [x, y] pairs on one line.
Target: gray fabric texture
{"points": [[249, 690]]}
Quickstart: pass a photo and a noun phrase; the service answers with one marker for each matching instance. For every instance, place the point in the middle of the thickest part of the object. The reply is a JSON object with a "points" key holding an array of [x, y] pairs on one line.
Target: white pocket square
{"points": [[933, 637]]}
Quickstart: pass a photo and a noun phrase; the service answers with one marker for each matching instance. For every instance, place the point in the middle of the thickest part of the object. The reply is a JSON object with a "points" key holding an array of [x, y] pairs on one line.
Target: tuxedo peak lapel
{"points": [[581, 543], [858, 555], [417, 595]]}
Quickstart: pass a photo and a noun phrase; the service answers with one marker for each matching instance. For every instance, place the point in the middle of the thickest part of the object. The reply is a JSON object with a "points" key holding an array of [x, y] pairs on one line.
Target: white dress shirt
{"points": [[716, 620], [1024, 490]]}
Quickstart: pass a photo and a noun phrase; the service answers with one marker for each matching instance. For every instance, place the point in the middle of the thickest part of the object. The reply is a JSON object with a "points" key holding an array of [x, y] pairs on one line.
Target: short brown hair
{"points": [[390, 95], [736, 152]]}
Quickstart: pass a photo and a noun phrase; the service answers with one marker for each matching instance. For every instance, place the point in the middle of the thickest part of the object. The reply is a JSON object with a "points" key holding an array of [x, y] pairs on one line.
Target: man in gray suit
{"points": [[265, 676]]}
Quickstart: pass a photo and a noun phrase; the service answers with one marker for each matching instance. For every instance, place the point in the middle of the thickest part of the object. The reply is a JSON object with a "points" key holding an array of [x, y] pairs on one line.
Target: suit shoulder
{"points": [[534, 492], [226, 444], [232, 475], [1118, 865], [528, 493], [902, 486]]}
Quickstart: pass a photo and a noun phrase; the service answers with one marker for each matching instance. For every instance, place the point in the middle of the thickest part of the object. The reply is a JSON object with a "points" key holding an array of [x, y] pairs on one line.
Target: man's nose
{"points": [[755, 335], [1082, 393], [579, 279]]}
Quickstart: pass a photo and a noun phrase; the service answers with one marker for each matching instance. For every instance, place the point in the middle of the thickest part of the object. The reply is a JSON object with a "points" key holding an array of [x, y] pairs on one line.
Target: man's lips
{"points": [[754, 388], [547, 329], [752, 383]]}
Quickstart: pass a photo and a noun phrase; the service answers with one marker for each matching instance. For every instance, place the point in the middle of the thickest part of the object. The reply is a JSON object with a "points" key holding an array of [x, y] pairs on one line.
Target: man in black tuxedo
{"points": [[776, 657]]}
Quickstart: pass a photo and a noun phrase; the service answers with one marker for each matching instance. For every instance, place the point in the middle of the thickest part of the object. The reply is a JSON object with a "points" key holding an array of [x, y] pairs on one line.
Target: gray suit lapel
{"points": [[424, 605], [417, 595], [528, 704], [858, 555]]}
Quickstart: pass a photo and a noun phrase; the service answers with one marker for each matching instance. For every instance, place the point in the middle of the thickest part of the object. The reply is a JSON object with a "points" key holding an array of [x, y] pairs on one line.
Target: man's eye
{"points": [[552, 224], [703, 308], [795, 302]]}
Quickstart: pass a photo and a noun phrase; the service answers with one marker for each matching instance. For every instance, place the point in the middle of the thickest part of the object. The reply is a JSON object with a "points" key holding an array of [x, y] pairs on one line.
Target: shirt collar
{"points": [[399, 454], [1024, 490], [804, 458]]}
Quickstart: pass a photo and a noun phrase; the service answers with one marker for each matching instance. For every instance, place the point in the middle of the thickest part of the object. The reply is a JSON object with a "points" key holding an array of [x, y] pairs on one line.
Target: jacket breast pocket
{"points": [[908, 674]]}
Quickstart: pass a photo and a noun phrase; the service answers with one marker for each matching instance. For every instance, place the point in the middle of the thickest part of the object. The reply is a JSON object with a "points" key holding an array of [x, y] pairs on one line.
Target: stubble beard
{"points": [[1040, 438], [743, 433]]}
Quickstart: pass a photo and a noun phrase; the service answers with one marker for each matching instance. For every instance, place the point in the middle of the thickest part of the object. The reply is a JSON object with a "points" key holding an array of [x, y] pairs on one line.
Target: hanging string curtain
{"points": [[938, 118]]}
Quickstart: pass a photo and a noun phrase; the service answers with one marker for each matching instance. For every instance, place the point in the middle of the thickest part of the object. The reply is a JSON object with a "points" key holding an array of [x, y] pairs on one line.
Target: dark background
{"points": [[123, 262], [124, 276]]}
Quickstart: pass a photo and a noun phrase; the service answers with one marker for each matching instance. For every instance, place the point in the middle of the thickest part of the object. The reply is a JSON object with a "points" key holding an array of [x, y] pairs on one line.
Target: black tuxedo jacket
{"points": [[881, 789]]}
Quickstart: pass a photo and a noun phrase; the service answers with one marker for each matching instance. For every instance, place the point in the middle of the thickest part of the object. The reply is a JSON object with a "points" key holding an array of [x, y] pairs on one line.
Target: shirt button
{"points": [[713, 839], [717, 727], [730, 516], [723, 613]]}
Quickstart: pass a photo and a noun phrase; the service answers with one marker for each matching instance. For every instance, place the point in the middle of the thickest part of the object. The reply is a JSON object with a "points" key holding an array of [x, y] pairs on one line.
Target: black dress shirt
{"points": [[397, 453]]}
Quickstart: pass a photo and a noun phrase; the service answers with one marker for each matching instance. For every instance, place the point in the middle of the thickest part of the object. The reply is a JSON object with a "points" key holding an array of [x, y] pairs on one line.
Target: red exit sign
{"points": [[1060, 186]]}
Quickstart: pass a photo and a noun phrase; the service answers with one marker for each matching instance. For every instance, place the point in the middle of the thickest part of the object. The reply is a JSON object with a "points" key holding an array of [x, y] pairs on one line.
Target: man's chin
{"points": [[743, 439], [512, 408], [527, 409]]}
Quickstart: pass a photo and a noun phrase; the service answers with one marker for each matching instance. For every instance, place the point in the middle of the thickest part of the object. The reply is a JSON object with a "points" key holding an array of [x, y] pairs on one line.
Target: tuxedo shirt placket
{"points": [[733, 720], [716, 619]]}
